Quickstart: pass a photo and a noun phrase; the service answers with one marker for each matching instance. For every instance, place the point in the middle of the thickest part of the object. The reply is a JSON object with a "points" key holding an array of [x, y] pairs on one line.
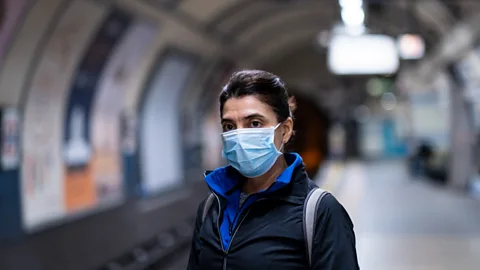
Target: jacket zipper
{"points": [[225, 252], [231, 239], [234, 233], [236, 229]]}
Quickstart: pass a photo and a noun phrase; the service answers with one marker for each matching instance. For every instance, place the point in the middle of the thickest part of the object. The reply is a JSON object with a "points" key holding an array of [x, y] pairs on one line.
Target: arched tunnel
{"points": [[110, 116]]}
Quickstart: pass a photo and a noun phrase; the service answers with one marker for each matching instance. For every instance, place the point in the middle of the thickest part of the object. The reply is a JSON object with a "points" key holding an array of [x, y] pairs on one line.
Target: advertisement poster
{"points": [[393, 145], [12, 14], [42, 166], [10, 136], [108, 108], [160, 137], [78, 149]]}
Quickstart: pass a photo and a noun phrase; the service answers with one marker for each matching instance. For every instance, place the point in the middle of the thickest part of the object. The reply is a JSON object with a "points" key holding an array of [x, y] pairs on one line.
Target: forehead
{"points": [[242, 107]]}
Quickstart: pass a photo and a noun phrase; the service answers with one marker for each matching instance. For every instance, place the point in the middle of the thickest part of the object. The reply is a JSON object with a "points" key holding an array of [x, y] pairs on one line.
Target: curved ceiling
{"points": [[274, 34], [257, 33], [254, 28]]}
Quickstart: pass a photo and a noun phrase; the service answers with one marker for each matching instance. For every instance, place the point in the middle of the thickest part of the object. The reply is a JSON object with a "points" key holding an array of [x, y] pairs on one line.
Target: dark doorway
{"points": [[310, 141]]}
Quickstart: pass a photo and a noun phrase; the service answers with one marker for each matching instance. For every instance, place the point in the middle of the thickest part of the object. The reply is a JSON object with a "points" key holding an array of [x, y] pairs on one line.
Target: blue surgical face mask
{"points": [[251, 151]]}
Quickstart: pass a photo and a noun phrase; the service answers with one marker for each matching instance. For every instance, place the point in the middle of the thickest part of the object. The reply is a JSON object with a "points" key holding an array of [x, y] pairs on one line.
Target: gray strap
{"points": [[207, 205], [313, 199]]}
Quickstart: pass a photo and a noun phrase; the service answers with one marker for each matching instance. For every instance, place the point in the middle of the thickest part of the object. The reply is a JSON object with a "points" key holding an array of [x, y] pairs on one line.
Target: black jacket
{"points": [[270, 235]]}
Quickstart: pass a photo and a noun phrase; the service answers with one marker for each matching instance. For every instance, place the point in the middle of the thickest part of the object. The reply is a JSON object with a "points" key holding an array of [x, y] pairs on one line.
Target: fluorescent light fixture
{"points": [[356, 30], [353, 16], [362, 55], [342, 29], [350, 3]]}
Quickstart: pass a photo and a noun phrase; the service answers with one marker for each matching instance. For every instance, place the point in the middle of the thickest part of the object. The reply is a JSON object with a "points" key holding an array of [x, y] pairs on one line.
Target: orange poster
{"points": [[105, 134], [80, 189], [42, 181]]}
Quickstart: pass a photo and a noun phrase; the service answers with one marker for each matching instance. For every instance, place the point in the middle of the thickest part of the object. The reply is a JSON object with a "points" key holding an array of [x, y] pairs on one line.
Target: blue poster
{"points": [[393, 146]]}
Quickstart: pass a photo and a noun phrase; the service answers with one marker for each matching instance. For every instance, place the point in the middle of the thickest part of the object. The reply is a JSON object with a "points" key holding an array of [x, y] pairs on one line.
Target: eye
{"points": [[255, 124], [228, 127]]}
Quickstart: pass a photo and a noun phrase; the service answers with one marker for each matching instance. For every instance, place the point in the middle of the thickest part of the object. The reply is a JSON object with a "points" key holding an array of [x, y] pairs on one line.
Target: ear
{"points": [[287, 130]]}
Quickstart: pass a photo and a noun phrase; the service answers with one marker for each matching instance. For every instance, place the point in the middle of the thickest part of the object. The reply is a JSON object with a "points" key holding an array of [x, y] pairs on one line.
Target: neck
{"points": [[257, 184]]}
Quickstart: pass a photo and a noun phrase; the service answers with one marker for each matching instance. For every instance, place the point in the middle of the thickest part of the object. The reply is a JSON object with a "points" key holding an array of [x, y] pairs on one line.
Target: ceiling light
{"points": [[350, 3], [353, 16]]}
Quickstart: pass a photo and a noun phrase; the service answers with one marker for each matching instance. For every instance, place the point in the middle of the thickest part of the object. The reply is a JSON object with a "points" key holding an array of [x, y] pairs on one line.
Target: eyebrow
{"points": [[248, 117]]}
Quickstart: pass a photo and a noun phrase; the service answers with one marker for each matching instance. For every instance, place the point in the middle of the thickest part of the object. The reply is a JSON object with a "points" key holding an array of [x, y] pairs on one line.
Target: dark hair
{"points": [[266, 86]]}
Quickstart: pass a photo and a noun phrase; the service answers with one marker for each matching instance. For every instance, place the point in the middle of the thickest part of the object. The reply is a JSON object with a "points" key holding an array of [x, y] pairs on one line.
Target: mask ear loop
{"points": [[281, 147], [283, 144]]}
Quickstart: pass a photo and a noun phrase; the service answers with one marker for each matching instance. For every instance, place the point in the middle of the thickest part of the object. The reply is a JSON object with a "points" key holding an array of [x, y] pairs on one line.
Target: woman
{"points": [[256, 220]]}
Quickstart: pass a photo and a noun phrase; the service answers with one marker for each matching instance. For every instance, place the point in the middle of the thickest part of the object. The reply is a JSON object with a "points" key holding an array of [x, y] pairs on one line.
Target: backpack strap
{"points": [[312, 201], [207, 205]]}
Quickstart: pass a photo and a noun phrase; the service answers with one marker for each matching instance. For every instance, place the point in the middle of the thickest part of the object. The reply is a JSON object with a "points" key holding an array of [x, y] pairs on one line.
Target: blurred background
{"points": [[109, 117]]}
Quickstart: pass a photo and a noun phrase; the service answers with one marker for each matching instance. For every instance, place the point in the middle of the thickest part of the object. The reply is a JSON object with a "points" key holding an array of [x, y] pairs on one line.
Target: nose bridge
{"points": [[241, 123]]}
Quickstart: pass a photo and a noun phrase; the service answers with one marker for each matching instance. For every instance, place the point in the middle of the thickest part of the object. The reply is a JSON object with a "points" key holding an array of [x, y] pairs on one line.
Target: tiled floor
{"points": [[409, 224]]}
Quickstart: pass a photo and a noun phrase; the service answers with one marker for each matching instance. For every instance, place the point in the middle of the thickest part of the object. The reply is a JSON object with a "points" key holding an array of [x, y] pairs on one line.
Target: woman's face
{"points": [[250, 112]]}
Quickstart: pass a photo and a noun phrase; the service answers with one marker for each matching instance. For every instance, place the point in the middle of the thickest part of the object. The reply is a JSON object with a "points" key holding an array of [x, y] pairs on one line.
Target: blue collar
{"points": [[223, 181]]}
